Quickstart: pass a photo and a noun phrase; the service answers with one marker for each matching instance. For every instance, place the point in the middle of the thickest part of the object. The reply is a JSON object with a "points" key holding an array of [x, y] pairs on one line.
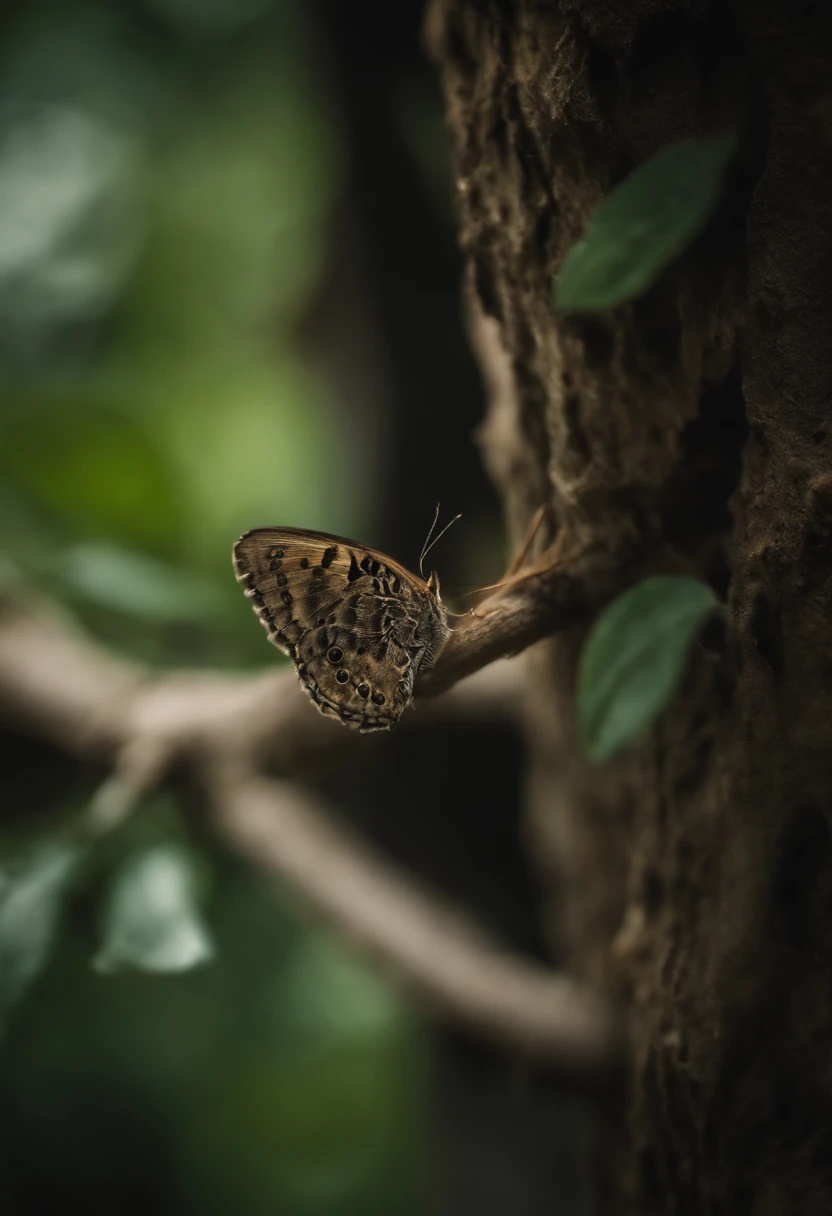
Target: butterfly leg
{"points": [[515, 570], [548, 560], [531, 536]]}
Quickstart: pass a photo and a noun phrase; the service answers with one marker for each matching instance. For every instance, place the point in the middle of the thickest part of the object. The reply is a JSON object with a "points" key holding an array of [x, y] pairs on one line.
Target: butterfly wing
{"points": [[357, 625]]}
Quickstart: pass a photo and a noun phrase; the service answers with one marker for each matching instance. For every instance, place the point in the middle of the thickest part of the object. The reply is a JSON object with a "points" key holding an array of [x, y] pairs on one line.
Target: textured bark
{"points": [[693, 876]]}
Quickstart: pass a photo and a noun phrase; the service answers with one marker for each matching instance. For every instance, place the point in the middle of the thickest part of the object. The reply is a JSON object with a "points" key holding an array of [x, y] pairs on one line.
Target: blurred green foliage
{"points": [[162, 236], [166, 173], [279, 1078]]}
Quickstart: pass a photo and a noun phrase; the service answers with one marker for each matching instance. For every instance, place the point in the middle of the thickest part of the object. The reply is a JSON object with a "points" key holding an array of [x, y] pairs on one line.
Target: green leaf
{"points": [[123, 580], [645, 223], [31, 898], [634, 657], [152, 920], [92, 471]]}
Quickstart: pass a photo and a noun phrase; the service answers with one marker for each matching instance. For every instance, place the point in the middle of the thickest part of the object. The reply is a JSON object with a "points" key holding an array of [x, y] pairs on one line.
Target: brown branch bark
{"points": [[537, 607]]}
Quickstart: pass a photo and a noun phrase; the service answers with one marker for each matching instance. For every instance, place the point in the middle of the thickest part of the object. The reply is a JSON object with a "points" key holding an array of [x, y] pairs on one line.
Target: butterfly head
{"points": [[433, 584]]}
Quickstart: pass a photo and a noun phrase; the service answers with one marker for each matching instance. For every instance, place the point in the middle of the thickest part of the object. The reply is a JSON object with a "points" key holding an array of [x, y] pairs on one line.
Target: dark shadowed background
{"points": [[230, 297]]}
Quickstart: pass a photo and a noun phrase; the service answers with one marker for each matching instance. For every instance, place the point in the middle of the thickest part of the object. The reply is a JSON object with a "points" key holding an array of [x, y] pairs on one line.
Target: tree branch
{"points": [[539, 605], [219, 730], [421, 939]]}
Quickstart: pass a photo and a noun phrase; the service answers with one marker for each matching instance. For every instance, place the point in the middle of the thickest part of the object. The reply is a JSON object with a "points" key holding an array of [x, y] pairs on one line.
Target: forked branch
{"points": [[219, 731]]}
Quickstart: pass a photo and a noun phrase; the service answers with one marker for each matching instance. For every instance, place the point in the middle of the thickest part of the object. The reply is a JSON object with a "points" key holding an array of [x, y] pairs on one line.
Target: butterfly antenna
{"points": [[438, 537], [427, 539]]}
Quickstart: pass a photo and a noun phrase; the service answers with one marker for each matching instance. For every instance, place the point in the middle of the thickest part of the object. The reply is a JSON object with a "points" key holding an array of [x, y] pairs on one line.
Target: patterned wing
{"points": [[356, 624]]}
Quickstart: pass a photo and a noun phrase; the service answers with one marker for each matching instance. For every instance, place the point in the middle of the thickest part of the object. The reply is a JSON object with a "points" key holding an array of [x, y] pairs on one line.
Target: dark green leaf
{"points": [[152, 920], [634, 657], [644, 224], [31, 895]]}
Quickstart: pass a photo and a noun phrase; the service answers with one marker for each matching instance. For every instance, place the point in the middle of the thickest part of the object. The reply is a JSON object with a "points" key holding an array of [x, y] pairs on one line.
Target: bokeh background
{"points": [[229, 297]]}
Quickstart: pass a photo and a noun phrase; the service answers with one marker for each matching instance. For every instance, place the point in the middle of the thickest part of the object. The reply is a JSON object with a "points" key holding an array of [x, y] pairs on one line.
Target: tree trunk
{"points": [[693, 877]]}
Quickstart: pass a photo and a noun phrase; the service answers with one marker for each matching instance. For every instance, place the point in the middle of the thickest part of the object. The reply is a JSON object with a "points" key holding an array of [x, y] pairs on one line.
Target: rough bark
{"points": [[693, 876]]}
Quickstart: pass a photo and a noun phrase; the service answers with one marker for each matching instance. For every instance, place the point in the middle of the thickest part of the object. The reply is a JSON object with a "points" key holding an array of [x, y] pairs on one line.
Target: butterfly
{"points": [[358, 626]]}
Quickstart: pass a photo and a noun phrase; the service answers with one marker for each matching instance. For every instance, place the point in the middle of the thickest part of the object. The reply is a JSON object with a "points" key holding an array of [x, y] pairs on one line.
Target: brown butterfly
{"points": [[358, 626]]}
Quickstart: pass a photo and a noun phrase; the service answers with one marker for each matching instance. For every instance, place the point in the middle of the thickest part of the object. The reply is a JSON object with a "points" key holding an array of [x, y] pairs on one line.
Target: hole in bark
{"points": [[818, 537], [486, 289], [464, 61], [659, 331], [499, 135], [695, 503], [651, 1180], [602, 75], [472, 198], [821, 497], [805, 850], [677, 46], [576, 436], [760, 438], [819, 527], [695, 768], [597, 339], [713, 636], [736, 1080], [720, 578], [533, 176], [659, 45], [652, 892], [724, 685], [540, 237], [766, 630], [719, 49]]}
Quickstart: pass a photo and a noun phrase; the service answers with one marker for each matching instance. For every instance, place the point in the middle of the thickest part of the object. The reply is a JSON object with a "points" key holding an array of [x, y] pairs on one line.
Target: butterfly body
{"points": [[358, 626]]}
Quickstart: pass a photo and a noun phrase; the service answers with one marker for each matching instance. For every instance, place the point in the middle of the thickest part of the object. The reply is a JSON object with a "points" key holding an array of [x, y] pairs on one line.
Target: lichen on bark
{"points": [[692, 878]]}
